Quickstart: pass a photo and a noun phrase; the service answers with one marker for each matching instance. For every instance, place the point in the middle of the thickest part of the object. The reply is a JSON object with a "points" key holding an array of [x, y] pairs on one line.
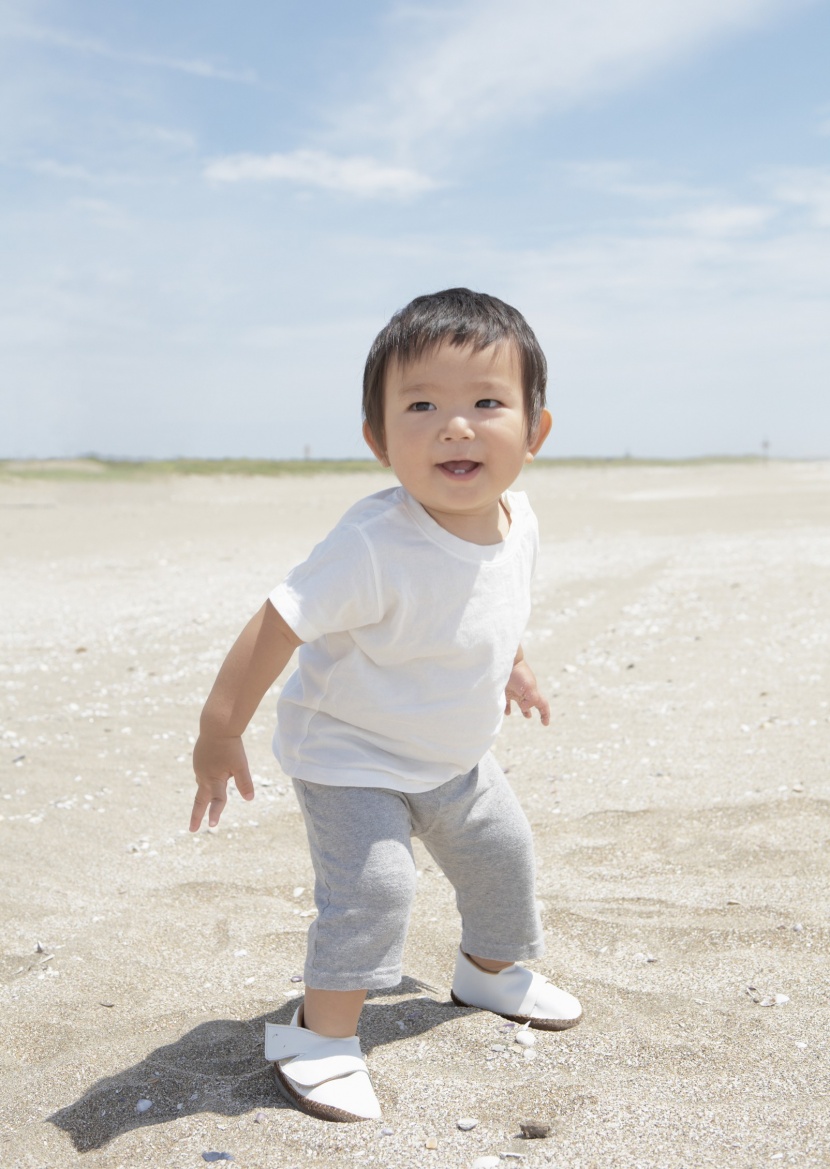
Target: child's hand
{"points": [[215, 761], [522, 689]]}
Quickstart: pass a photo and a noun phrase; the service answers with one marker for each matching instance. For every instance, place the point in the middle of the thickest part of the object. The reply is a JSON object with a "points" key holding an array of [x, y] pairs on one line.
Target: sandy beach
{"points": [[680, 802]]}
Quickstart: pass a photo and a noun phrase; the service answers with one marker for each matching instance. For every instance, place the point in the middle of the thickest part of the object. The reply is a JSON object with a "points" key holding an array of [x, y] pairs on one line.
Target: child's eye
{"points": [[418, 407], [488, 403]]}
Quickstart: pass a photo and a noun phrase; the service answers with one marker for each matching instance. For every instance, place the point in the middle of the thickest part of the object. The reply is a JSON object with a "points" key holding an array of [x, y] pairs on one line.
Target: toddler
{"points": [[408, 618]]}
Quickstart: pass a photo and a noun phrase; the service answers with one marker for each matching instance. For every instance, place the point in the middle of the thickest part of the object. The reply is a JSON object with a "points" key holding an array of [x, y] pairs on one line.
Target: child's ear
{"points": [[373, 446], [539, 435]]}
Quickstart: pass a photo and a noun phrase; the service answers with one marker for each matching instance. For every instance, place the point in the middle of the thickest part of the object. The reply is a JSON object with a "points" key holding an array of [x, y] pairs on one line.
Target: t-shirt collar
{"points": [[480, 553]]}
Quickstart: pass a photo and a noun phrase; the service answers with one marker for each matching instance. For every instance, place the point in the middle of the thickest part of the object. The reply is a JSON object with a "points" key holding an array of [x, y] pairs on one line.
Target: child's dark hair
{"points": [[460, 317]]}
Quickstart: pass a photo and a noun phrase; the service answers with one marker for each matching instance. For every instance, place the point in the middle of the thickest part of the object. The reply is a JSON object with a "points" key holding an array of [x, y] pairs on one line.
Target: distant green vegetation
{"points": [[94, 468], [630, 461]]}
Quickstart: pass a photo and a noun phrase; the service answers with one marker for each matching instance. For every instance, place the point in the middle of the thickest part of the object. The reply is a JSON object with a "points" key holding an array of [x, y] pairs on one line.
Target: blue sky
{"points": [[209, 209]]}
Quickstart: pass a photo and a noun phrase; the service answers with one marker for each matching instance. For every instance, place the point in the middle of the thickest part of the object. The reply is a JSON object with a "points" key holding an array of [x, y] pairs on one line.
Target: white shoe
{"points": [[515, 993], [326, 1078]]}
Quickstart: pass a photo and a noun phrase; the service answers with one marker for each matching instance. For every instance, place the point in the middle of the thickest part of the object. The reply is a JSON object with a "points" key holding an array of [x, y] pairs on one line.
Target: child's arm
{"points": [[258, 656], [523, 689]]}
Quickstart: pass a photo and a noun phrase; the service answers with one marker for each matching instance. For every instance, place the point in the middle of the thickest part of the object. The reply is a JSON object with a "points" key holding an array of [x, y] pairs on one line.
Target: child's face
{"points": [[456, 434]]}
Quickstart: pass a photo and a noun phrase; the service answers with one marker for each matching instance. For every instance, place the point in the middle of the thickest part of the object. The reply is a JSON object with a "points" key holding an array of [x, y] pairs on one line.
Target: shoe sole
{"points": [[310, 1107], [536, 1024]]}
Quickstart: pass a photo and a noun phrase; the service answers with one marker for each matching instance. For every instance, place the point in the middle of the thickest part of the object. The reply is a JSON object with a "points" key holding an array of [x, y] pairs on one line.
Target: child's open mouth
{"points": [[459, 468]]}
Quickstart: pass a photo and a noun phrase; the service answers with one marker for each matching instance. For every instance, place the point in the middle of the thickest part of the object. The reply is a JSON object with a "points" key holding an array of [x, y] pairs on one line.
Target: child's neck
{"points": [[488, 527]]}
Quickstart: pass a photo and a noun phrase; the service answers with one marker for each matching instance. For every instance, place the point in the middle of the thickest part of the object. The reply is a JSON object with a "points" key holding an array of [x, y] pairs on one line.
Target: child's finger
{"points": [[217, 807], [200, 805], [243, 781], [211, 797], [525, 703]]}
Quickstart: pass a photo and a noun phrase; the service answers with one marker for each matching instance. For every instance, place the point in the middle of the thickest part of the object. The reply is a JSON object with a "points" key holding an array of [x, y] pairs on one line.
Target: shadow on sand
{"points": [[219, 1067]]}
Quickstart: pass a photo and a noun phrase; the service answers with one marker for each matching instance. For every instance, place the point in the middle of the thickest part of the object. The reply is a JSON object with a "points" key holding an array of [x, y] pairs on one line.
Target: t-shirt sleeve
{"points": [[521, 510], [335, 589], [535, 542]]}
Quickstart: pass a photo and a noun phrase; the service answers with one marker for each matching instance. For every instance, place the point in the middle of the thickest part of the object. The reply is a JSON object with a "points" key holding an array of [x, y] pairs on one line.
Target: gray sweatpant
{"points": [[360, 839]]}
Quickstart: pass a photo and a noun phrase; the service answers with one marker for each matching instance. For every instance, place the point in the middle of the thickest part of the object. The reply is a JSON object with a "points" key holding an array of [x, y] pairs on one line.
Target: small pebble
{"points": [[431, 1143], [466, 1123], [497, 1047], [143, 1105], [216, 1157], [533, 1130], [387, 1132], [296, 978], [260, 1118], [525, 1039], [530, 1053], [485, 1163]]}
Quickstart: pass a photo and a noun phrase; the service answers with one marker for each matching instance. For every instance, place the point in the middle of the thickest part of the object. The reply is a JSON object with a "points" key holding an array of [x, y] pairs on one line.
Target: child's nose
{"points": [[456, 427]]}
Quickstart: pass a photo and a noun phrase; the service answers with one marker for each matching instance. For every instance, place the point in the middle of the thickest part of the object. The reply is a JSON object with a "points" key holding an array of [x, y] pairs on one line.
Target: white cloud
{"points": [[94, 47], [706, 211], [63, 170], [179, 140], [355, 175], [77, 173], [478, 65], [668, 344], [485, 61], [807, 187], [620, 178], [723, 219]]}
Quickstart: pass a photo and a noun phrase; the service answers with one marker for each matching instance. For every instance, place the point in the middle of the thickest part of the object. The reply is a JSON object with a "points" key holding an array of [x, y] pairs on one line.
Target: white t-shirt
{"points": [[410, 638]]}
